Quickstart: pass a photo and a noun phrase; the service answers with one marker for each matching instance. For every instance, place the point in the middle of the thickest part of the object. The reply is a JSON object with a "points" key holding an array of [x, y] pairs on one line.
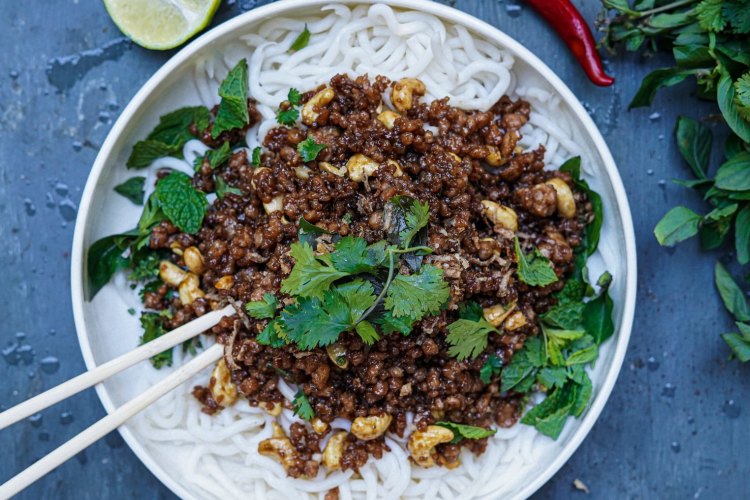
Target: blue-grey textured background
{"points": [[676, 425]]}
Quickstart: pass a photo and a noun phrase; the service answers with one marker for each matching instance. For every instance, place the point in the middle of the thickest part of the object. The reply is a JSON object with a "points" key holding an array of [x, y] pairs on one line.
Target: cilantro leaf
{"points": [[132, 189], [181, 202], [263, 309], [302, 407], [233, 111], [217, 157], [256, 156], [534, 269], [294, 97], [742, 95], [301, 41], [308, 233], [390, 324], [367, 332], [462, 431], [419, 294], [493, 366], [359, 296], [738, 14], [169, 136], [153, 328], [404, 221], [470, 310], [709, 13], [311, 276], [287, 117], [313, 322], [222, 188], [467, 338], [273, 334], [352, 255], [309, 149]]}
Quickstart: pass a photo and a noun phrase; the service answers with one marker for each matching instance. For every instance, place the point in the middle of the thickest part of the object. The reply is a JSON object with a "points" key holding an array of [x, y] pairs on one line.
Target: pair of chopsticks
{"points": [[123, 413]]}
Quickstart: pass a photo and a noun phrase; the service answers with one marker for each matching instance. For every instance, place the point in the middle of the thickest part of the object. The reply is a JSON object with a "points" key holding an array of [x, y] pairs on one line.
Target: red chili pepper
{"points": [[572, 28]]}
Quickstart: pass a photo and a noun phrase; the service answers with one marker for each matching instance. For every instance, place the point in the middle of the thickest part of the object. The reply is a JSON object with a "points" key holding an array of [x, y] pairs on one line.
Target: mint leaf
{"points": [[132, 189], [263, 309], [301, 41], [493, 366], [422, 293], [218, 157], [302, 407], [309, 149], [169, 136], [222, 188], [255, 162], [534, 269], [233, 111], [677, 225], [597, 313], [181, 202], [104, 259], [462, 431]]}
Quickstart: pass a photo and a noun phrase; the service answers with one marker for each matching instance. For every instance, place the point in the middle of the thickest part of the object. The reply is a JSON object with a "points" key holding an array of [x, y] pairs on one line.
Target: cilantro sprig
{"points": [[336, 292], [289, 114]]}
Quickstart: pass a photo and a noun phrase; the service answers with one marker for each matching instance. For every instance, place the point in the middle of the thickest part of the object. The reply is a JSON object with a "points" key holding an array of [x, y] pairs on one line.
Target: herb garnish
{"points": [[255, 161], [132, 189], [289, 115], [302, 406], [169, 136], [301, 41], [468, 335], [233, 112], [309, 149], [462, 431], [181, 202], [492, 367], [534, 269]]}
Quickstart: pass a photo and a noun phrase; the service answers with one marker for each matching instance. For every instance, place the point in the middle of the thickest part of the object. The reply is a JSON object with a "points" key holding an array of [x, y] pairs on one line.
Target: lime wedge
{"points": [[161, 24]]}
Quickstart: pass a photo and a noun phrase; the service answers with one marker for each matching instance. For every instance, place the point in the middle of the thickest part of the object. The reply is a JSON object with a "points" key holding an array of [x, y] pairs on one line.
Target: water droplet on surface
{"points": [[668, 390], [675, 446], [25, 353], [31, 374], [20, 335], [103, 86], [50, 364], [77, 146], [113, 106], [652, 363], [13, 74], [650, 171], [36, 420], [104, 117], [662, 183], [52, 332], [50, 200], [66, 418], [10, 355], [62, 189], [654, 116], [513, 9], [660, 137], [732, 409], [30, 207], [67, 209]]}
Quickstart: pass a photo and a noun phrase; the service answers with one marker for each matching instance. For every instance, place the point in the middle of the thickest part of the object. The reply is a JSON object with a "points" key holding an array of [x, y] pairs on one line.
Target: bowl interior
{"points": [[106, 329]]}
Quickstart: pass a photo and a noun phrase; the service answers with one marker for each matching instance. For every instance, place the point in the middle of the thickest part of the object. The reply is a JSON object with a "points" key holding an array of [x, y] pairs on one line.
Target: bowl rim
{"points": [[447, 14]]}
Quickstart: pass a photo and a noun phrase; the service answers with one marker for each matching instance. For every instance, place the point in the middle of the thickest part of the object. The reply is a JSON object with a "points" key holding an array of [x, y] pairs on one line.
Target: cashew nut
{"points": [[279, 447], [222, 388], [170, 273], [274, 205], [189, 289], [500, 215], [360, 166], [327, 167], [194, 260], [302, 172], [566, 205], [494, 158], [496, 314], [367, 428], [388, 118], [422, 444], [514, 322], [402, 93], [273, 409], [396, 167], [318, 425], [225, 282], [309, 115], [334, 450], [176, 248], [337, 353]]}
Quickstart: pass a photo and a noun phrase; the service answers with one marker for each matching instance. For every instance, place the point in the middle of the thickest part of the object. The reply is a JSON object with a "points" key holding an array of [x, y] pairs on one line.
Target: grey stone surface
{"points": [[676, 425]]}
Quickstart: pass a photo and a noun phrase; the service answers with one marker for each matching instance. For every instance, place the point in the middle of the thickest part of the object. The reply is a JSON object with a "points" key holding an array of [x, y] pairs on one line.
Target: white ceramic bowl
{"points": [[105, 330]]}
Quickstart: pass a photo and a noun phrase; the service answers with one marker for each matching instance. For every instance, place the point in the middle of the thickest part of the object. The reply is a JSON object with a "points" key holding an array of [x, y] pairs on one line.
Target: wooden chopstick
{"points": [[110, 422], [93, 377]]}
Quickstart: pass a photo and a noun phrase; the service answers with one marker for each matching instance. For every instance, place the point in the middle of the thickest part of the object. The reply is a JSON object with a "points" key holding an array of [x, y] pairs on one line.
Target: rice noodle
{"points": [[220, 458]]}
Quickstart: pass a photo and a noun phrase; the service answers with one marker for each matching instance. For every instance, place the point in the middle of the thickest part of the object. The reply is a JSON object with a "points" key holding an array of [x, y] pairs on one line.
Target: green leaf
{"points": [[734, 174], [470, 310], [312, 323], [169, 136], [301, 41], [549, 416], [740, 345], [582, 354], [738, 14], [390, 324], [233, 112], [311, 276], [153, 328], [721, 213], [294, 97], [725, 96], [217, 157], [273, 335], [422, 293], [710, 16], [597, 315], [677, 225], [493, 366], [468, 339], [222, 188], [568, 316], [181, 202], [664, 77], [742, 235], [693, 56], [742, 95], [524, 365], [104, 259], [594, 228], [461, 431], [255, 162], [405, 222], [309, 149], [694, 141], [132, 189], [553, 376], [287, 117], [359, 296], [308, 232], [263, 309], [534, 269], [302, 407], [352, 255], [731, 294], [367, 332]]}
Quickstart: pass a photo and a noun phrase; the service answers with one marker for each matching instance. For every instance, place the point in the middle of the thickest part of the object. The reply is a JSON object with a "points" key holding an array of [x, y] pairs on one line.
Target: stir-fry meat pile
{"points": [[483, 192]]}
